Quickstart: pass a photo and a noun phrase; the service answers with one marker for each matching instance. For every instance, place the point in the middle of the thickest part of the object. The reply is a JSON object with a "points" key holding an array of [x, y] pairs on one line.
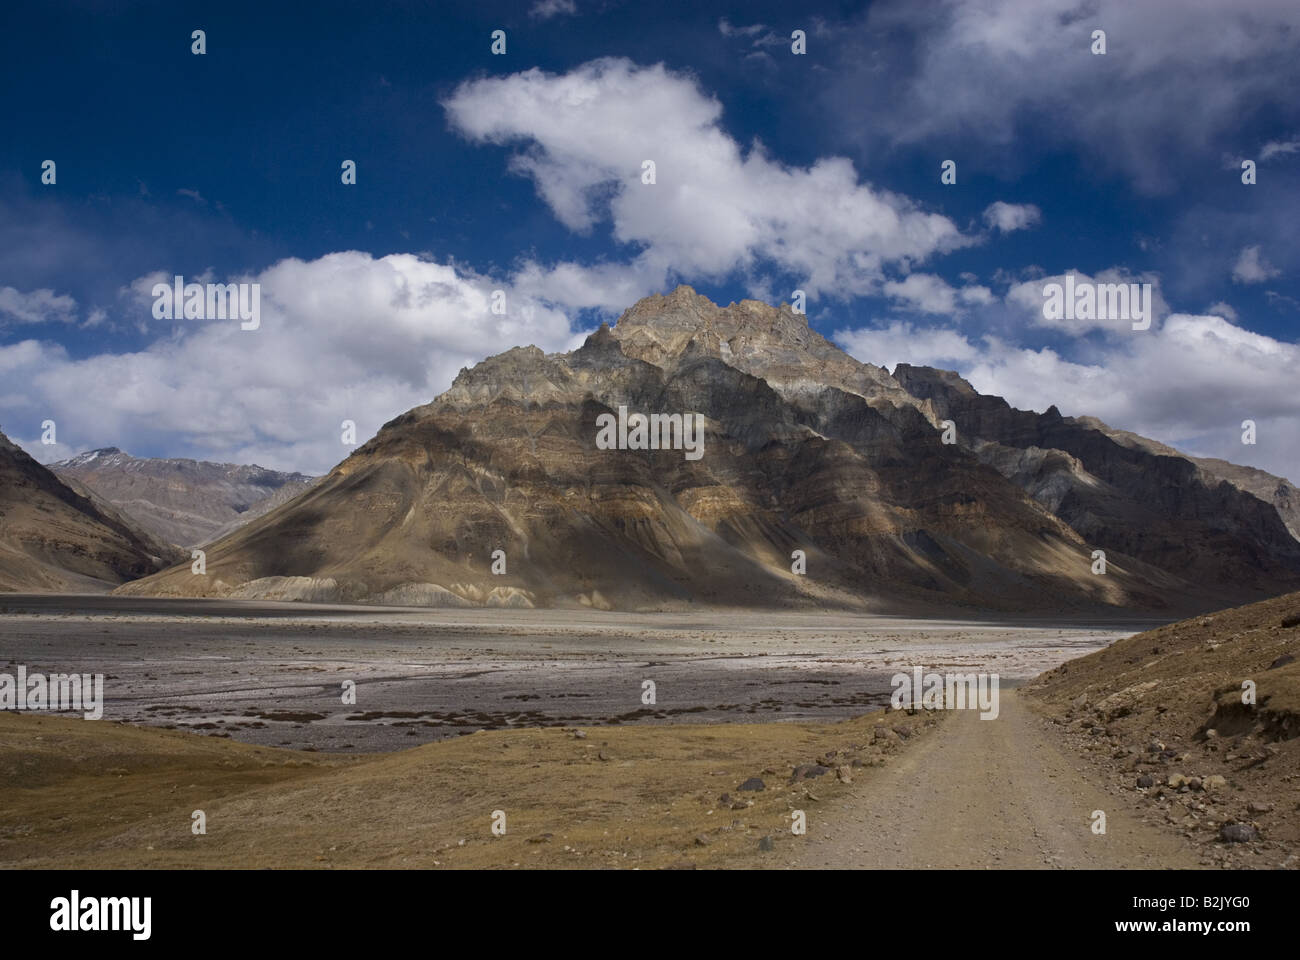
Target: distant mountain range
{"points": [[58, 536], [806, 452], [185, 502]]}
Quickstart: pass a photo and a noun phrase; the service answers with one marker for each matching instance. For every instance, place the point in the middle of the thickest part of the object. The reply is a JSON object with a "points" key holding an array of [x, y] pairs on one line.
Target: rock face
{"points": [[54, 538], [186, 502], [1159, 508], [1280, 492], [804, 449]]}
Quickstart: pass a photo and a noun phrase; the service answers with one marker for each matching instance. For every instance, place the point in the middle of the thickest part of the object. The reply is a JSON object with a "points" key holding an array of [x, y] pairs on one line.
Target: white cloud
{"points": [[905, 343], [1007, 217], [715, 209], [37, 306], [1028, 297], [757, 34], [927, 293], [1190, 382], [1222, 309], [727, 30], [977, 295], [611, 287], [990, 70], [924, 293], [1251, 267], [545, 9], [346, 336], [1279, 148]]}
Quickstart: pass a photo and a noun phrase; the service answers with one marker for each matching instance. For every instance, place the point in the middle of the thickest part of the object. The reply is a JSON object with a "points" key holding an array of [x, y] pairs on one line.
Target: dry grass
{"points": [[93, 794]]}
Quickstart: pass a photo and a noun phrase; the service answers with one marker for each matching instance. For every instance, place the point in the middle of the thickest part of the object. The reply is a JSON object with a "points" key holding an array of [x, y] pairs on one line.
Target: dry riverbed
{"points": [[274, 674]]}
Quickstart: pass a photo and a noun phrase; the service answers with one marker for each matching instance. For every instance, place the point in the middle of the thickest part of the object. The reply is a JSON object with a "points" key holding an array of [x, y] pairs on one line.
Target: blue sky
{"points": [[521, 172]]}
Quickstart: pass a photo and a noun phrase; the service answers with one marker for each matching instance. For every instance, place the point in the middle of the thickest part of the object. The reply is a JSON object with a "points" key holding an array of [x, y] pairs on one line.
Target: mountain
{"points": [[1278, 491], [1157, 507], [804, 449], [55, 537], [186, 502]]}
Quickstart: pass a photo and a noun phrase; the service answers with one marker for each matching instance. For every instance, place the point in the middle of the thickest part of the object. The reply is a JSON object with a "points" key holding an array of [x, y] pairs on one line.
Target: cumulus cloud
{"points": [[976, 294], [1251, 267], [902, 342], [344, 337], [715, 209], [36, 306], [923, 292], [927, 293], [610, 287], [1028, 297], [1222, 309], [1007, 217]]}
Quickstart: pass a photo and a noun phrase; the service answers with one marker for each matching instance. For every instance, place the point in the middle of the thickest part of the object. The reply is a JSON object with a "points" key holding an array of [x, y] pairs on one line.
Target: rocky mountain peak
{"points": [[90, 456], [772, 343], [687, 313]]}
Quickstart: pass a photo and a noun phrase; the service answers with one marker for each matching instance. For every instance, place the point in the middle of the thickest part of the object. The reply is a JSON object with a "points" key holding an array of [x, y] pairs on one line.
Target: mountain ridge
{"points": [[806, 449], [180, 500]]}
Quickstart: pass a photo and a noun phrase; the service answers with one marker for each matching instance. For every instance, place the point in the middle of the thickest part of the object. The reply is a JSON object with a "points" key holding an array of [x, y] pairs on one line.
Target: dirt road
{"points": [[983, 794]]}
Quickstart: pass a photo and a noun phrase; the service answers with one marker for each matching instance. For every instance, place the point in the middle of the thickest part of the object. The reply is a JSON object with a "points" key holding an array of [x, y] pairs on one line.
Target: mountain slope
{"points": [[55, 538], [186, 502], [1166, 717], [1160, 508], [1278, 491], [805, 449]]}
